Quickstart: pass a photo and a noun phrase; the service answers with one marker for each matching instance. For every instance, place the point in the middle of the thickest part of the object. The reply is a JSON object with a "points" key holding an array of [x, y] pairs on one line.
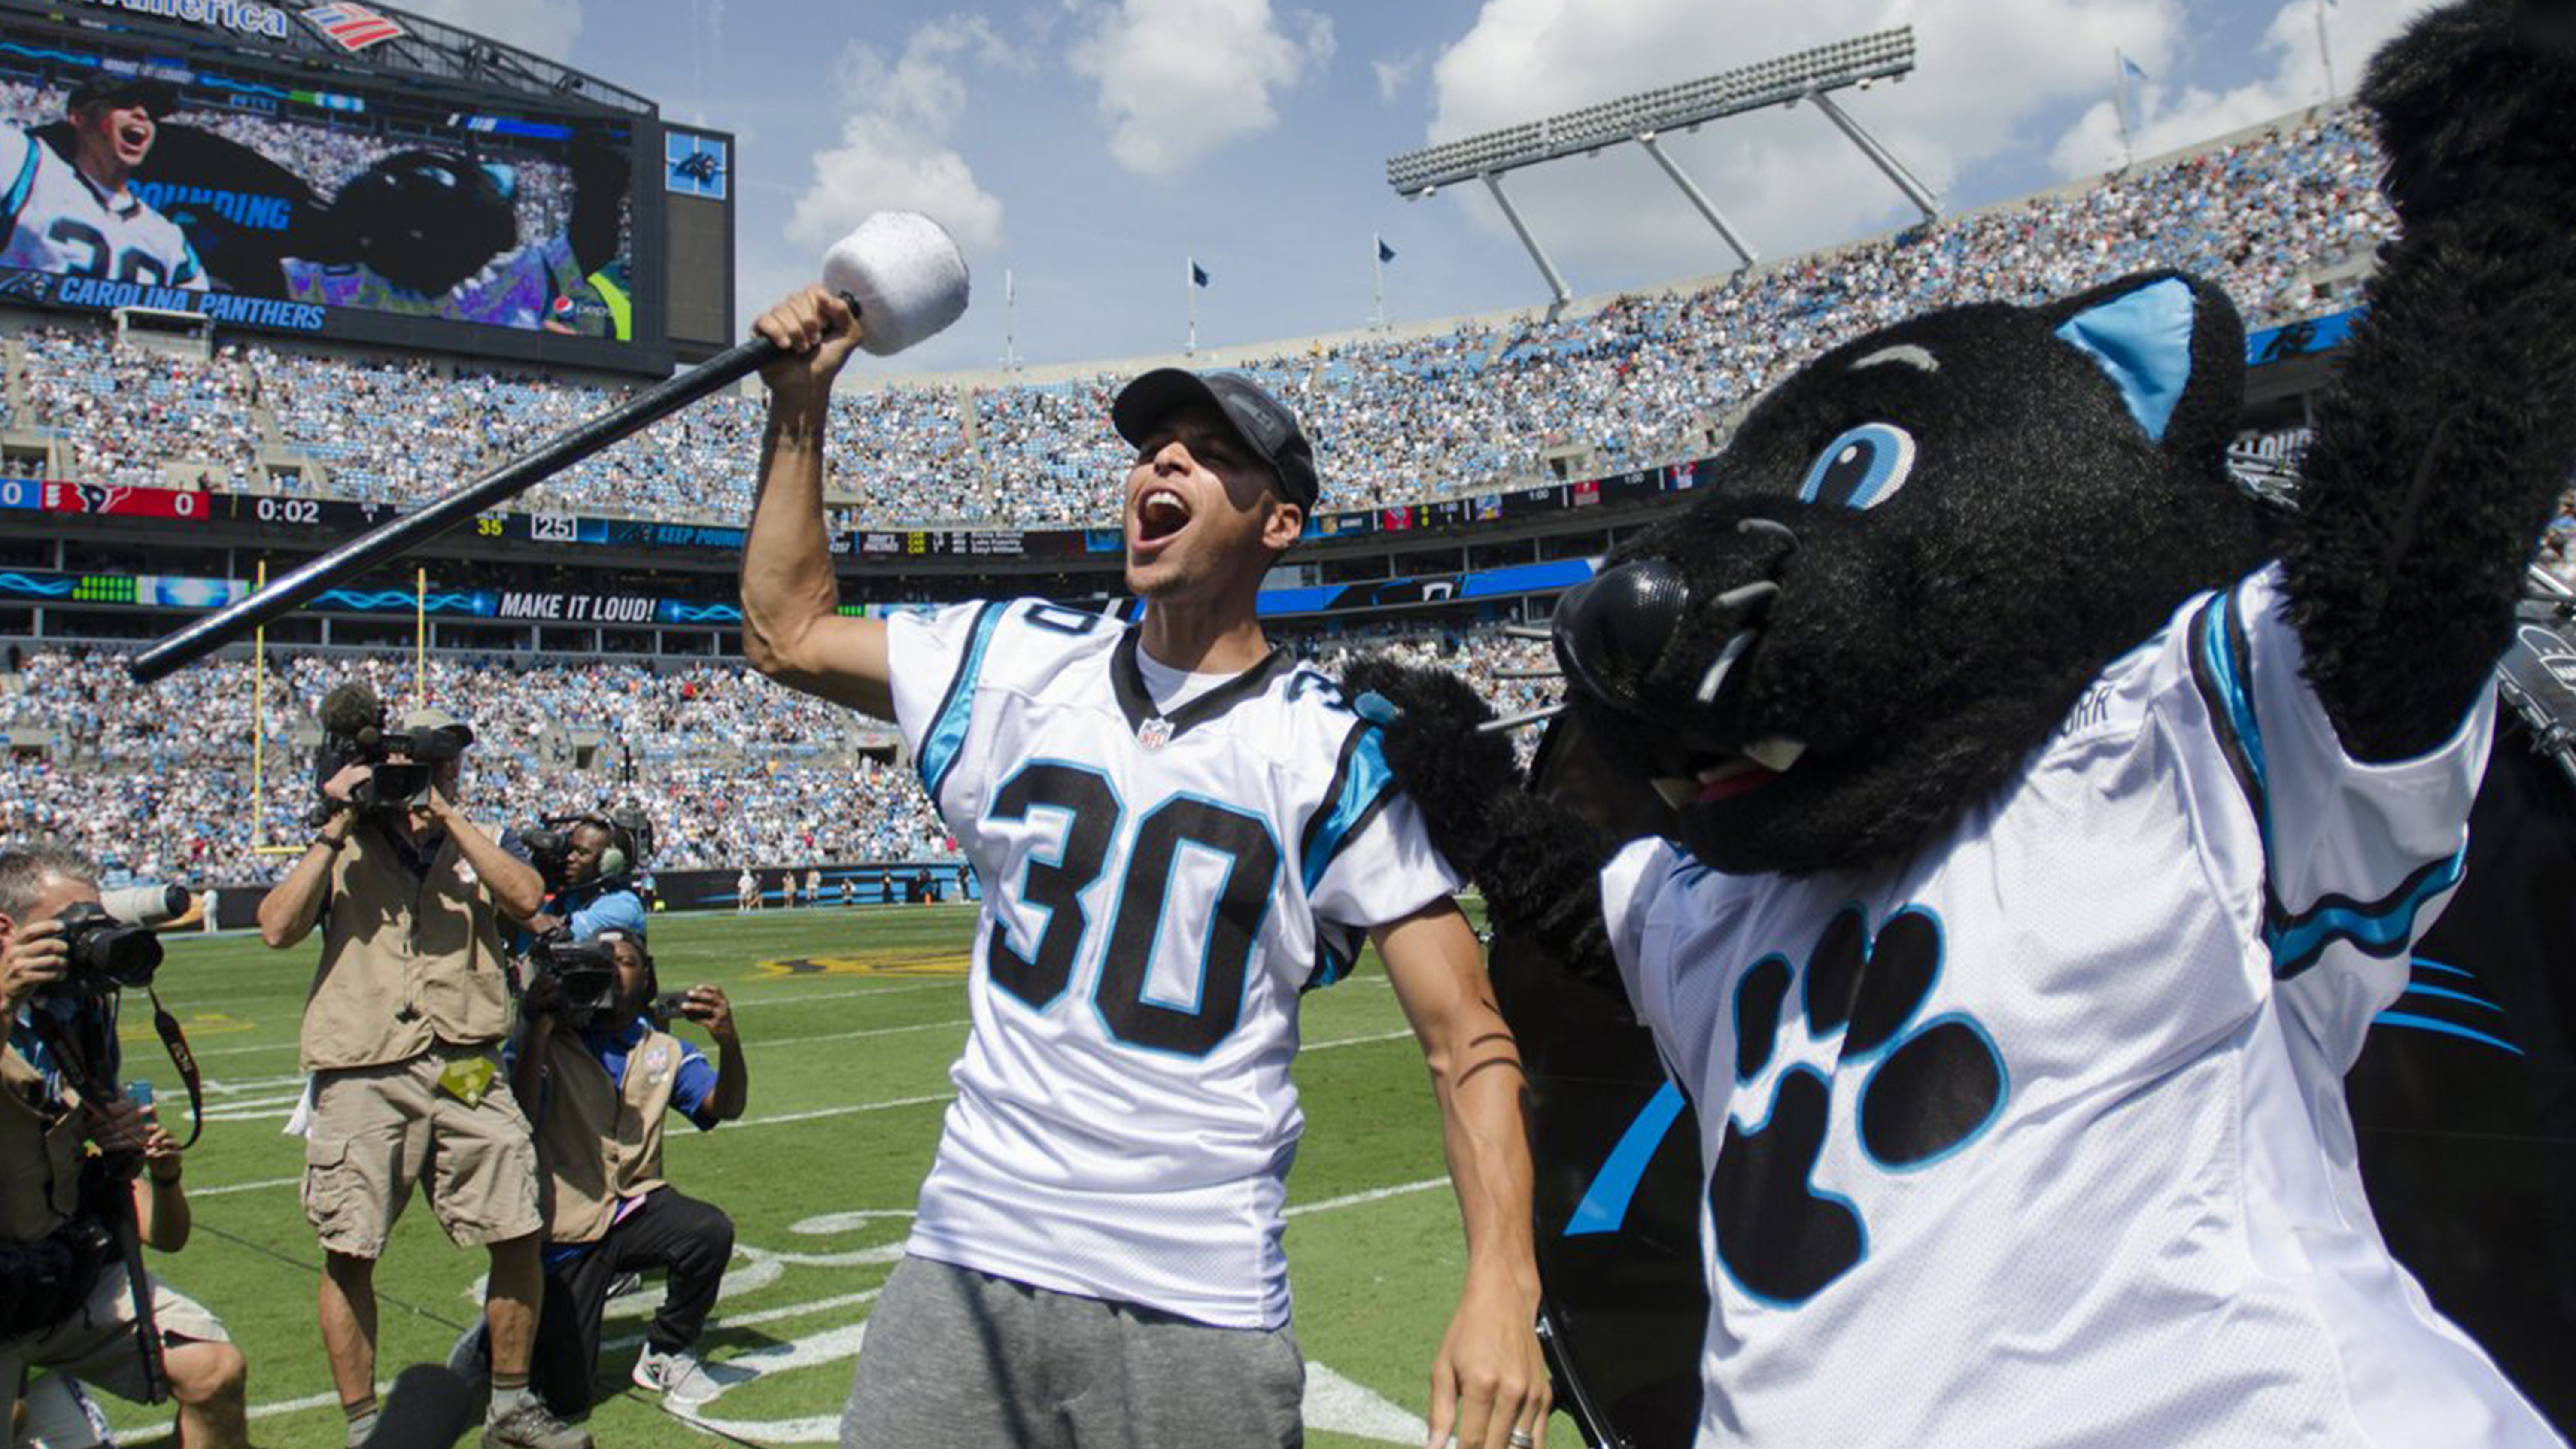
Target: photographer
{"points": [[591, 867], [66, 1301], [401, 1035], [601, 1072]]}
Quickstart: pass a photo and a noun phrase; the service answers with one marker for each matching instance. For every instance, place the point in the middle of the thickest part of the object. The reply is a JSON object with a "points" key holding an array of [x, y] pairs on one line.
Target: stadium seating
{"points": [[730, 767], [1471, 407]]}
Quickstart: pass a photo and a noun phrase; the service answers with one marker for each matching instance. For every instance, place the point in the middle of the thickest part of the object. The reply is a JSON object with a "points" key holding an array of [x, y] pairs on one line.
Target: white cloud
{"points": [[894, 150], [2167, 117], [1394, 75], [1789, 180], [1180, 78], [547, 27]]}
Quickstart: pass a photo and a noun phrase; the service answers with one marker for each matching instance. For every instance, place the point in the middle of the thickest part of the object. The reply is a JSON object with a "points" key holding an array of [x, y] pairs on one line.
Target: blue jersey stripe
{"points": [[2379, 928], [946, 736], [1366, 784], [2219, 649], [2425, 1023], [18, 189], [1605, 1203]]}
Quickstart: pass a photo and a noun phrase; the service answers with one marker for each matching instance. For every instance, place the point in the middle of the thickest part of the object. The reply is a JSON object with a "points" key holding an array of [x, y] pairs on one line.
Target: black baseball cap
{"points": [[1263, 422], [158, 96]]}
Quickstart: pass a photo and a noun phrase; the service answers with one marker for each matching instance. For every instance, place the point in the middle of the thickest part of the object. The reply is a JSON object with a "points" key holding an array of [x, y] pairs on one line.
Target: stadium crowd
{"points": [[730, 768], [1471, 407]]}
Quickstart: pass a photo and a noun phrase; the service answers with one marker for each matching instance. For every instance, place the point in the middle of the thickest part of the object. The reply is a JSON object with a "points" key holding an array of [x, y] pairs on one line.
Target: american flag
{"points": [[352, 27]]}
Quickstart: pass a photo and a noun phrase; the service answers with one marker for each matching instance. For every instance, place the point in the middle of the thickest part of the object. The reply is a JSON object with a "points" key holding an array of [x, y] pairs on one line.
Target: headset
{"points": [[630, 838]]}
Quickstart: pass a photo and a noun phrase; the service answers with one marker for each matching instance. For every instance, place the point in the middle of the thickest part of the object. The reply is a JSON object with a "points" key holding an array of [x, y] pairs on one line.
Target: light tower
{"points": [[1808, 75]]}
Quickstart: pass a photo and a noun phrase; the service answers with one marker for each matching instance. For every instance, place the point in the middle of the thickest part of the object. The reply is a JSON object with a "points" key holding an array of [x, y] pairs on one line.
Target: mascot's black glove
{"points": [[1454, 772], [1537, 862]]}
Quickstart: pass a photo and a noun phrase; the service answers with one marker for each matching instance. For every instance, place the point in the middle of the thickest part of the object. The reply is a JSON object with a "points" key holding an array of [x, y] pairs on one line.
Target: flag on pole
{"points": [[1385, 253], [1198, 274], [2130, 67]]}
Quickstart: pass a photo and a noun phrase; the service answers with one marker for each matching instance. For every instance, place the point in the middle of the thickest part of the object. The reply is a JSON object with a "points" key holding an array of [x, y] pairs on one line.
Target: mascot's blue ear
{"points": [[2141, 339], [2173, 347]]}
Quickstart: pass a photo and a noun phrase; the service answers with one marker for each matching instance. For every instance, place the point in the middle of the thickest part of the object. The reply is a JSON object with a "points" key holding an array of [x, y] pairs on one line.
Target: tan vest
{"points": [[599, 1140], [406, 960], [40, 1156]]}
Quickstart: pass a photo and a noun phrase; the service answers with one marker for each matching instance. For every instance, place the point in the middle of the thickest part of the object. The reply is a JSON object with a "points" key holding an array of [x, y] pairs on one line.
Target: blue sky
{"points": [[1089, 146]]}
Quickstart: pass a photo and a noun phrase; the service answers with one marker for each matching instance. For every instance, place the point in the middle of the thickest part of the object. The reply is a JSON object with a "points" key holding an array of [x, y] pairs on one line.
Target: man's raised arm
{"points": [[792, 629]]}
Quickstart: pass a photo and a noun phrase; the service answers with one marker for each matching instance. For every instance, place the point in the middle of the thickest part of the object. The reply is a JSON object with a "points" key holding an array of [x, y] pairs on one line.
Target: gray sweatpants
{"points": [[956, 1359]]}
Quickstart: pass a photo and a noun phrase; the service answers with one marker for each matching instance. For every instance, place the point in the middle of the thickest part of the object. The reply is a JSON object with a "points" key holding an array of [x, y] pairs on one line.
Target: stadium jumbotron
{"points": [[354, 257]]}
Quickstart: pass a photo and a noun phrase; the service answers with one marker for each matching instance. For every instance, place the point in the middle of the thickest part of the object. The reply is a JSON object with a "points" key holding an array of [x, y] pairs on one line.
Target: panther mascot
{"points": [[2051, 818]]}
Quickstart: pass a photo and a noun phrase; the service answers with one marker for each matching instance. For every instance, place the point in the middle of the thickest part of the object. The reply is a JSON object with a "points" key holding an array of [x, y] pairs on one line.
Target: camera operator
{"points": [[602, 1071], [401, 1035], [593, 876], [66, 1300]]}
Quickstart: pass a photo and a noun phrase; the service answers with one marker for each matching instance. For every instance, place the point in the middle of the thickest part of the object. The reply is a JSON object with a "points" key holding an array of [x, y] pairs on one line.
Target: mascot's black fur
{"points": [[1921, 646], [1919, 551]]}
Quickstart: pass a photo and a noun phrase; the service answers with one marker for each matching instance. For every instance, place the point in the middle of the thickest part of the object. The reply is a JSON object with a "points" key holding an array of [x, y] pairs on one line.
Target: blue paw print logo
{"points": [[1927, 1089]]}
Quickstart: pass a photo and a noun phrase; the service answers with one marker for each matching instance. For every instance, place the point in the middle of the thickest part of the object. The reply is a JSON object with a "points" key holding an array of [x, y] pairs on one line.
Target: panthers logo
{"points": [[1927, 1089]]}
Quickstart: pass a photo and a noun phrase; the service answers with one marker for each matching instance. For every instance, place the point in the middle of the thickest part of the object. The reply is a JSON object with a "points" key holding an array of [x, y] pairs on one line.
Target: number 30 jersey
{"points": [[58, 221], [1158, 892]]}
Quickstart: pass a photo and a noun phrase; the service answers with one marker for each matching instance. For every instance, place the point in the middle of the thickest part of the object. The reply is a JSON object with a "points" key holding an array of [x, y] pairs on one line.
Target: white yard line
{"points": [[817, 1113], [1343, 1041], [788, 1041], [266, 1182], [1360, 1199]]}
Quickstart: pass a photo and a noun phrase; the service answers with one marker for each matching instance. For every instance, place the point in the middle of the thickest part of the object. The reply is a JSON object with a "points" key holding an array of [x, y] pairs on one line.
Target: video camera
{"points": [[584, 973], [354, 733]]}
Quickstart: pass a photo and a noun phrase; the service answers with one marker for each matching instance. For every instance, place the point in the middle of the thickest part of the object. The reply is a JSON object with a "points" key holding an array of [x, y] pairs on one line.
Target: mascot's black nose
{"points": [[1612, 628]]}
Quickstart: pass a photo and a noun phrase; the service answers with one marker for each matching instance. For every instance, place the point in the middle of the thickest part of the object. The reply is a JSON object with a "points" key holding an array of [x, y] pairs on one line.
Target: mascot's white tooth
{"points": [[1776, 753], [1676, 793]]}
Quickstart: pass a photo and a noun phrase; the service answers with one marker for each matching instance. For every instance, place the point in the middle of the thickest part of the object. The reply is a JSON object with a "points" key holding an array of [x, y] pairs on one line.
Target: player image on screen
{"points": [[376, 207], [435, 233], [68, 209]]}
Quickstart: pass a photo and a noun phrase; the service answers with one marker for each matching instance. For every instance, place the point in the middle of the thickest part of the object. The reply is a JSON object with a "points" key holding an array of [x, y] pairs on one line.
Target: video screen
{"points": [[276, 203]]}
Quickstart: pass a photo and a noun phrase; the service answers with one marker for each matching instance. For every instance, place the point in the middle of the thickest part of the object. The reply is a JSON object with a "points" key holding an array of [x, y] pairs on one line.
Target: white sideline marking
{"points": [[265, 1182], [816, 1113], [1337, 1404], [1375, 1194], [788, 1041], [1343, 1041]]}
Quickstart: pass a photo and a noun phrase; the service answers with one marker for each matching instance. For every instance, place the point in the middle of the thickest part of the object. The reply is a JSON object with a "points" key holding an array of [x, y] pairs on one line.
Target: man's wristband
{"points": [[330, 844]]}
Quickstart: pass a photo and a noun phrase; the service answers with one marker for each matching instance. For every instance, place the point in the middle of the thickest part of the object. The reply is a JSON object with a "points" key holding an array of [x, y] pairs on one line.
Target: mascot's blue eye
{"points": [[1861, 469]]}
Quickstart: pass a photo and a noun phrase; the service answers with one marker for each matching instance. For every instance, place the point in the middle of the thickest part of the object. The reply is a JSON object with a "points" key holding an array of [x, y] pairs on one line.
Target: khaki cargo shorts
{"points": [[96, 1344], [376, 1131]]}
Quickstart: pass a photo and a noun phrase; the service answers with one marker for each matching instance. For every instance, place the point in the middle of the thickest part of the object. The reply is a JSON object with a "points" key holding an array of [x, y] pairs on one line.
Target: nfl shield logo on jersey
{"points": [[1154, 733]]}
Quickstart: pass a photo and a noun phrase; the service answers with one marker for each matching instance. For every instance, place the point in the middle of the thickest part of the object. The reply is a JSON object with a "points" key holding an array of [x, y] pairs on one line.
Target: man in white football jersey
{"points": [[75, 217], [1178, 831]]}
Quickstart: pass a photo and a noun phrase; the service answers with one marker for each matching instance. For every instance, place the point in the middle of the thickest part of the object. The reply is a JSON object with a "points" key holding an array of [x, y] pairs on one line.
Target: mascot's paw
{"points": [[1936, 1086], [1452, 769], [2474, 98]]}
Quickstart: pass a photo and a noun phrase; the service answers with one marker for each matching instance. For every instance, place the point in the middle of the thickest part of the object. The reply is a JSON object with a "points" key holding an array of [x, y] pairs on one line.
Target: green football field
{"points": [[850, 1019]]}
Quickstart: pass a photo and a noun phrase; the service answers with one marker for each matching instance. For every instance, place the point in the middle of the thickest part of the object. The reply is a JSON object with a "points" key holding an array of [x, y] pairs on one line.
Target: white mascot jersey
{"points": [[2038, 1136], [1158, 891]]}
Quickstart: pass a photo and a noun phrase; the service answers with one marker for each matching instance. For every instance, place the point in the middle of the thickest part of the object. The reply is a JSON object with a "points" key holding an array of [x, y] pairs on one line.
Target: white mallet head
{"points": [[906, 275]]}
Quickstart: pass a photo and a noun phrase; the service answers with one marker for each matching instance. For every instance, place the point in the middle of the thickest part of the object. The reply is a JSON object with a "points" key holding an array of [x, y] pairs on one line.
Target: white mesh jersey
{"points": [[2039, 1137], [1158, 891], [59, 221]]}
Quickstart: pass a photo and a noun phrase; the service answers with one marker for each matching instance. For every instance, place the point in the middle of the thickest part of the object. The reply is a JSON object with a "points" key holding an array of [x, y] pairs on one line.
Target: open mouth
{"points": [[134, 138], [1714, 776], [1160, 514]]}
